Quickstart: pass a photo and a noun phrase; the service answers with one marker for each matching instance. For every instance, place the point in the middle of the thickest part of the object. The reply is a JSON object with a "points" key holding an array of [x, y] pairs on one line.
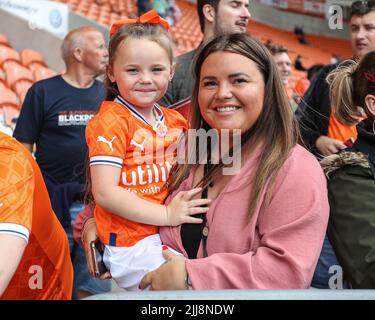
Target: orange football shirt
{"points": [[339, 131], [119, 136], [25, 211]]}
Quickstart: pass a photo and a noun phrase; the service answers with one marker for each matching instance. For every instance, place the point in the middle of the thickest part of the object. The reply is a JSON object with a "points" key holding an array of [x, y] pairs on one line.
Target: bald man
{"points": [[54, 116]]}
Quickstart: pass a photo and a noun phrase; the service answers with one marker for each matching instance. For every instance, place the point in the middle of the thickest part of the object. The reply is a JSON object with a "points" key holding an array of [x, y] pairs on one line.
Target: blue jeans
{"points": [[82, 278], [327, 267]]}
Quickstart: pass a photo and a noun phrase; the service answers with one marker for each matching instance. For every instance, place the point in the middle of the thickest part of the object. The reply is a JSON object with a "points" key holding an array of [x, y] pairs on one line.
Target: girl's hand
{"points": [[183, 206], [169, 276]]}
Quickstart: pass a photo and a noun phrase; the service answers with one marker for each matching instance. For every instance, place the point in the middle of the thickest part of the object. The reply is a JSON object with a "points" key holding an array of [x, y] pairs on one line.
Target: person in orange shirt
{"points": [[34, 252], [132, 146]]}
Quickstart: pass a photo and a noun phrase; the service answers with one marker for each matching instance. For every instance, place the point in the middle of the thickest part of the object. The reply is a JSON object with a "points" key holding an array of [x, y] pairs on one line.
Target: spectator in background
{"points": [[33, 245], [321, 132], [351, 174], [161, 7], [54, 117], [215, 17], [313, 71], [173, 13], [298, 65], [284, 65], [335, 58], [144, 6], [300, 34], [303, 83]]}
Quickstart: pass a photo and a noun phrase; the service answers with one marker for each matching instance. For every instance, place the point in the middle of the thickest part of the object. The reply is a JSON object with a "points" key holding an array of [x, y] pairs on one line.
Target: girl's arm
{"points": [[116, 199], [11, 251]]}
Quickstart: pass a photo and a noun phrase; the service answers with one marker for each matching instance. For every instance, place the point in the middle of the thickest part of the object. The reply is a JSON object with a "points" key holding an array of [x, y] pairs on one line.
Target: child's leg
{"points": [[128, 265]]}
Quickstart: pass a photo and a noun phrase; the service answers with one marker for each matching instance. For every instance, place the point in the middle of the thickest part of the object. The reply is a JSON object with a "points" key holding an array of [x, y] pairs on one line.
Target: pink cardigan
{"points": [[280, 246]]}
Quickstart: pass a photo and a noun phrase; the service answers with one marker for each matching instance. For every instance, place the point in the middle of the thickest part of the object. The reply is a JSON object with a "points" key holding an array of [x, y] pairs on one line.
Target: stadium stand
{"points": [[18, 71], [187, 35]]}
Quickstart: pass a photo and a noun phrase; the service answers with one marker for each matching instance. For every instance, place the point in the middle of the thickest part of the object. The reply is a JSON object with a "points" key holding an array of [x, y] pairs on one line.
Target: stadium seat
{"points": [[16, 73], [29, 56], [21, 88], [43, 73], [8, 54], [4, 40], [2, 77], [187, 36], [9, 106]]}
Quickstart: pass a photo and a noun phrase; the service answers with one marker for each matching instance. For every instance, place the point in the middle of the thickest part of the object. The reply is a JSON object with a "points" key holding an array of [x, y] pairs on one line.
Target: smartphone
{"points": [[97, 253]]}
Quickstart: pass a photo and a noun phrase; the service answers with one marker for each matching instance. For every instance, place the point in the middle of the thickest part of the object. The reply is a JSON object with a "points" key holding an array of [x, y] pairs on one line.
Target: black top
{"points": [[314, 110], [54, 116]]}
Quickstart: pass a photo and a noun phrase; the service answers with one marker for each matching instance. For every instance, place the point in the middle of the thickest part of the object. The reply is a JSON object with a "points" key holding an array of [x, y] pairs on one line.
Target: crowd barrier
{"points": [[311, 294]]}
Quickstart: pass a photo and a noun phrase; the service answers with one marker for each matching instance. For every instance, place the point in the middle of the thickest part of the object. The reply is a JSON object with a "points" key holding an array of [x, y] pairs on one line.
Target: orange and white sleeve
{"points": [[16, 195], [106, 141]]}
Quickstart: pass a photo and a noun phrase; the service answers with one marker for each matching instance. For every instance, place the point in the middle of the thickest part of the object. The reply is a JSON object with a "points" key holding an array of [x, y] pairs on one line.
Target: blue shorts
{"points": [[82, 278]]}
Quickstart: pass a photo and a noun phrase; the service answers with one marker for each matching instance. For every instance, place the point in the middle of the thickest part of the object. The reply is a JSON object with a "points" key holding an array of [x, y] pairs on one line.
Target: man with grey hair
{"points": [[54, 117]]}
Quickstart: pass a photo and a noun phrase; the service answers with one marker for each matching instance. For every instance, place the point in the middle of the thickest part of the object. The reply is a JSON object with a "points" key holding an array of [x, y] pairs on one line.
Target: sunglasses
{"points": [[362, 7]]}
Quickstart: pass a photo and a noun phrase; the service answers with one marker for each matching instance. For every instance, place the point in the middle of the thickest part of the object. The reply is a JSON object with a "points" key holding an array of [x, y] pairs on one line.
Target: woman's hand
{"points": [[328, 146], [89, 235], [169, 276], [183, 206]]}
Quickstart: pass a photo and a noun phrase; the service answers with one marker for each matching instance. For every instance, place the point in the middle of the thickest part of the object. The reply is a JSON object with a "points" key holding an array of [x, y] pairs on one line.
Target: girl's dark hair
{"points": [[275, 129]]}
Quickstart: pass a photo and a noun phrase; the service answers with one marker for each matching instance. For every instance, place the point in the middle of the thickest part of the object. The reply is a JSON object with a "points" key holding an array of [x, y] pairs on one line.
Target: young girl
{"points": [[132, 147], [351, 173]]}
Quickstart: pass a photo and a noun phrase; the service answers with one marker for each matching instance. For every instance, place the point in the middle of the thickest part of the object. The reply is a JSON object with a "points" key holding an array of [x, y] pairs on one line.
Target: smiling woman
{"points": [[266, 224]]}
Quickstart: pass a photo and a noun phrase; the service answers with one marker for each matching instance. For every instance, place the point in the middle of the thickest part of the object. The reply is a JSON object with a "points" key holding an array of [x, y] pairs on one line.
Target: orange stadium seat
{"points": [[43, 73], [21, 89], [187, 36], [8, 54], [29, 56], [9, 106], [4, 40], [16, 73], [2, 77]]}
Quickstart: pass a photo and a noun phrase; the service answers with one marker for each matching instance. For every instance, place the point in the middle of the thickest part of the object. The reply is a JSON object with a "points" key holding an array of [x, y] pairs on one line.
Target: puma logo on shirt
{"points": [[109, 143]]}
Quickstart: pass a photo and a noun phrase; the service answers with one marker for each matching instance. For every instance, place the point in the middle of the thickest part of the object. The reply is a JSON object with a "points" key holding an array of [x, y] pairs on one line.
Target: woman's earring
{"points": [[373, 126]]}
